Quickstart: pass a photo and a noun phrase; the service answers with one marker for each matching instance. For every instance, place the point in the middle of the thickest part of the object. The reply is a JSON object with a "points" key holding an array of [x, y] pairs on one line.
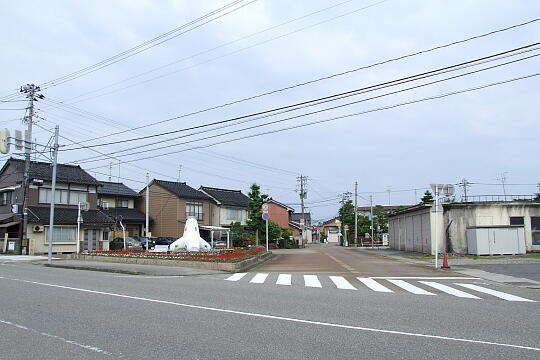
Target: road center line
{"points": [[87, 347], [282, 318]]}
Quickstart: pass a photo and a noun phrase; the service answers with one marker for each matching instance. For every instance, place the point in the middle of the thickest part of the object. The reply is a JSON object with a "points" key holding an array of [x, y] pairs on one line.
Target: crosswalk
{"points": [[416, 286]]}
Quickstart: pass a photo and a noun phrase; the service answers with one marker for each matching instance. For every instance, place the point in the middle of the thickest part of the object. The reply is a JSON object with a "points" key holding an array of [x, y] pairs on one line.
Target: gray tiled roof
{"points": [[182, 190], [114, 188], [64, 174], [227, 197], [64, 216], [128, 215], [297, 216]]}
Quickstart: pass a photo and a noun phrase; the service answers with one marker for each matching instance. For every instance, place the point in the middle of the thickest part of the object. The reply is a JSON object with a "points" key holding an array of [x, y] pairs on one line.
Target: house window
{"points": [[76, 197], [105, 235], [517, 220], [61, 196], [234, 214], [535, 230], [62, 234], [5, 197], [122, 203], [194, 209]]}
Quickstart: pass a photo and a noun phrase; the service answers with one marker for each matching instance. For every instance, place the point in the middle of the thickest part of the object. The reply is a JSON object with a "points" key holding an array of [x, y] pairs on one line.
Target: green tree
{"points": [[274, 231], [427, 198], [237, 233], [380, 218], [285, 235], [346, 216], [255, 222]]}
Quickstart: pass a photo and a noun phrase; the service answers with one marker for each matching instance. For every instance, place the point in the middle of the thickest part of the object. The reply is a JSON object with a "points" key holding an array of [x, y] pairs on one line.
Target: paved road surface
{"points": [[54, 313]]}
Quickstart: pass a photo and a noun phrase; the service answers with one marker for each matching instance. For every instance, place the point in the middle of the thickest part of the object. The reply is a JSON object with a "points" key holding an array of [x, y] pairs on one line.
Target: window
{"points": [[194, 209], [234, 214], [517, 220], [62, 234], [122, 203], [76, 197], [535, 230], [61, 196], [105, 235], [5, 197]]}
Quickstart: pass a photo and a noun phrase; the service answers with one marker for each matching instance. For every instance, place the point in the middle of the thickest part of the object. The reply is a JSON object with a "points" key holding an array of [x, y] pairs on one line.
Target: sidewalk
{"points": [[133, 269]]}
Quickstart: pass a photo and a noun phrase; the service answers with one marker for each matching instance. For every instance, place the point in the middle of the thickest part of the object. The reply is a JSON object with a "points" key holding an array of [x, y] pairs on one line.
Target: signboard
{"points": [[346, 227], [11, 245], [265, 216], [264, 207]]}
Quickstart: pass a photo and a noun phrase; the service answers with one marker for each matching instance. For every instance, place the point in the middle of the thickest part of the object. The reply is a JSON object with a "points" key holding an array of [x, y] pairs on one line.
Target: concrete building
{"points": [[460, 225]]}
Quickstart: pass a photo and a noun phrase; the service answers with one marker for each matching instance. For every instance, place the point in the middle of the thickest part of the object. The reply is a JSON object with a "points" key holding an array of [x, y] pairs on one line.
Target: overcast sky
{"points": [[266, 45]]}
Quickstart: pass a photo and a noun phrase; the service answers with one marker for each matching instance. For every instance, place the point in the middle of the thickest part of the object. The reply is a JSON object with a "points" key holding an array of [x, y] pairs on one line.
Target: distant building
{"points": [[331, 229], [506, 226], [231, 206]]}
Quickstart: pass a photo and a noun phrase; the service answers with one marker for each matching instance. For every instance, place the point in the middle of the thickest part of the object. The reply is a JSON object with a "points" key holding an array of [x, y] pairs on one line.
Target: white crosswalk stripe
{"points": [[342, 283], [236, 277], [373, 285], [284, 279], [259, 278], [449, 290], [410, 288], [376, 284], [495, 293], [312, 281]]}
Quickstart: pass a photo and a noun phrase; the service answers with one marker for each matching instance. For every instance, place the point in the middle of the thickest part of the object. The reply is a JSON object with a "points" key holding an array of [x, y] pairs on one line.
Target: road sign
{"points": [[264, 208], [346, 227], [265, 216]]}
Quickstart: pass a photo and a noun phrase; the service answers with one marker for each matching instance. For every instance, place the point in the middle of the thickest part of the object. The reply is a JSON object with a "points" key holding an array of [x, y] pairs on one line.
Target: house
{"points": [[171, 203], [279, 213], [116, 199], [507, 227], [331, 229], [232, 206], [74, 186], [366, 210], [295, 224]]}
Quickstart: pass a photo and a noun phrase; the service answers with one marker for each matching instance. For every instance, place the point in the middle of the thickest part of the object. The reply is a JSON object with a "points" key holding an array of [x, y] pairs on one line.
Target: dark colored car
{"points": [[142, 239], [161, 244], [131, 244]]}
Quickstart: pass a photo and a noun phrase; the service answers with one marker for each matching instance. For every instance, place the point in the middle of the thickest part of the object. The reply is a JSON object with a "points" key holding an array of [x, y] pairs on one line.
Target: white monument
{"points": [[191, 241]]}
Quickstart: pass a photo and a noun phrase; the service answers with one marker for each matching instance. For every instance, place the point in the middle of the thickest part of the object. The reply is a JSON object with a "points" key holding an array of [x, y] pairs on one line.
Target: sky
{"points": [[388, 141]]}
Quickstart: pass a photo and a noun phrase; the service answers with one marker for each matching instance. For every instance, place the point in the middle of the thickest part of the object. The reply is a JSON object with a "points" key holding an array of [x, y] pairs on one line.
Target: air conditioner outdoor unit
{"points": [[105, 205], [38, 228]]}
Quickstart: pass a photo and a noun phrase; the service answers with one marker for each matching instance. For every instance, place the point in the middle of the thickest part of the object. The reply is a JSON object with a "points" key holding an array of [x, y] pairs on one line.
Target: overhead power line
{"points": [[435, 97], [316, 101], [91, 159], [321, 78], [190, 26]]}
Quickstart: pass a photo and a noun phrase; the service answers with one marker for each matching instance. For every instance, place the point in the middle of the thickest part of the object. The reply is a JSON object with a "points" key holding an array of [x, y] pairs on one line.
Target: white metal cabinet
{"points": [[496, 240]]}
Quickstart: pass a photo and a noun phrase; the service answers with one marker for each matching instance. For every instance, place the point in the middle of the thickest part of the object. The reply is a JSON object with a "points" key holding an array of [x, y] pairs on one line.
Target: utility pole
{"points": [[110, 171], [147, 209], [355, 213], [502, 178], [179, 171], [303, 194], [31, 92], [388, 191], [371, 210], [465, 184], [53, 191]]}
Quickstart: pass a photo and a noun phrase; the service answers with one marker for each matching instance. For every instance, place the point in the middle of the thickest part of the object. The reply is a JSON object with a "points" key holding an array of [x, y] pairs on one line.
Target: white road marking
{"points": [[425, 278], [449, 290], [284, 279], [87, 347], [342, 283], [495, 293], [236, 277], [281, 318], [410, 288], [373, 285], [312, 281], [259, 278]]}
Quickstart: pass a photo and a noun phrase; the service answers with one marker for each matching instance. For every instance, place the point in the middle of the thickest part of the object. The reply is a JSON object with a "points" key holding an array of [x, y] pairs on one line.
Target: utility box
{"points": [[496, 240]]}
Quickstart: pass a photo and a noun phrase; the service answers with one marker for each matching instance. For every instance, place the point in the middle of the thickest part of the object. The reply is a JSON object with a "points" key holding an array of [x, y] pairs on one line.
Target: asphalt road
{"points": [[54, 313], [527, 271]]}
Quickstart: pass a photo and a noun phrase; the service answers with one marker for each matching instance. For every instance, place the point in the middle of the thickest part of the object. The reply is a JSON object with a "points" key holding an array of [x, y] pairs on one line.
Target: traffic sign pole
{"points": [[267, 235]]}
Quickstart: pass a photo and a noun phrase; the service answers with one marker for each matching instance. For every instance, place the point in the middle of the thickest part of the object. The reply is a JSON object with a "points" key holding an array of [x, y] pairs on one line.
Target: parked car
{"points": [[131, 244], [161, 244], [142, 239], [220, 243]]}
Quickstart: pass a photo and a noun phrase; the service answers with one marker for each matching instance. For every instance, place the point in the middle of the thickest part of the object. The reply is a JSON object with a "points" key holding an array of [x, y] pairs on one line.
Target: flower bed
{"points": [[225, 255]]}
